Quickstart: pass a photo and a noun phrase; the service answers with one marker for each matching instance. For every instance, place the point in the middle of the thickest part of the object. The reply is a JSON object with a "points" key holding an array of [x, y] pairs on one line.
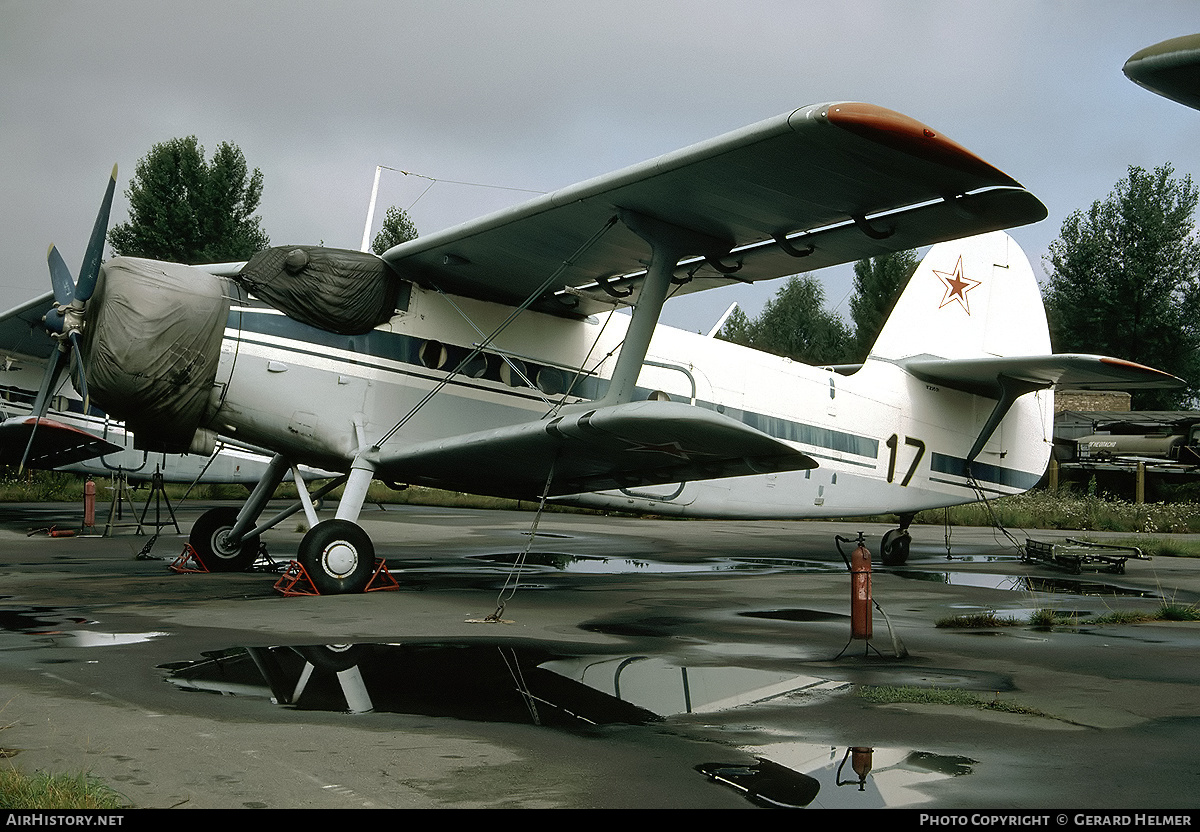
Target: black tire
{"points": [[893, 551], [333, 657], [208, 539], [338, 557]]}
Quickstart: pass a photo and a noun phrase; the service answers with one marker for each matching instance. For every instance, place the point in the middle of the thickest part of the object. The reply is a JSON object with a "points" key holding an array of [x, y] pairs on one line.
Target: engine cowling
{"points": [[152, 346]]}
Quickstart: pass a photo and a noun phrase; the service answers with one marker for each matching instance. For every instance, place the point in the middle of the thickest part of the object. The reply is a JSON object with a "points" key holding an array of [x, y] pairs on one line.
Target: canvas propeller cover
{"points": [[342, 291], [152, 345]]}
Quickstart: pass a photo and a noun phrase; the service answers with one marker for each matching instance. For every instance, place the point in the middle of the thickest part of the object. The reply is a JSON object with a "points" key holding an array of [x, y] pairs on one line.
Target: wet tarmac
{"points": [[635, 663]]}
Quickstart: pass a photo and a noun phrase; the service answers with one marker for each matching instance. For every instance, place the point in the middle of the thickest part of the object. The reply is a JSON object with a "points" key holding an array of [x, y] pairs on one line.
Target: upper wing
{"points": [[621, 446], [987, 376], [826, 184]]}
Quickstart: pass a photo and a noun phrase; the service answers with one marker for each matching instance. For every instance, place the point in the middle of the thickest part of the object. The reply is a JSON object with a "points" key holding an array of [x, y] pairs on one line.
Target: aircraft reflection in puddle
{"points": [[1024, 583], [591, 564], [813, 775], [60, 628], [530, 684], [484, 682]]}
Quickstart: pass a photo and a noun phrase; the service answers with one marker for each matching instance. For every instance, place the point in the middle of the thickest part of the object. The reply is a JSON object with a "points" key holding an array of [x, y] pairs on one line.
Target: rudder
{"points": [[968, 298]]}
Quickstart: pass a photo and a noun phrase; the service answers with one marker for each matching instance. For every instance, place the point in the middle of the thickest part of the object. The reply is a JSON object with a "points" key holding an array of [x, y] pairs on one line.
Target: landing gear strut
{"points": [[338, 557], [893, 551]]}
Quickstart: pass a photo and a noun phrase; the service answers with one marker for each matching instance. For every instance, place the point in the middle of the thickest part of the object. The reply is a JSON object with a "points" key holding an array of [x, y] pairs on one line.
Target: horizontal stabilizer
{"points": [[991, 375], [620, 446], [54, 444]]}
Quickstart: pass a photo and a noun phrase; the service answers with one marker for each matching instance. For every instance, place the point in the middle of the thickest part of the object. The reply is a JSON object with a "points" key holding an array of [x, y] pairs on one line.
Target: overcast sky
{"points": [[539, 95]]}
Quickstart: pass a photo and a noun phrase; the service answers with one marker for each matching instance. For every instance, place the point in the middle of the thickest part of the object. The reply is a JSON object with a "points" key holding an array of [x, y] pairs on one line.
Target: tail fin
{"points": [[969, 298]]}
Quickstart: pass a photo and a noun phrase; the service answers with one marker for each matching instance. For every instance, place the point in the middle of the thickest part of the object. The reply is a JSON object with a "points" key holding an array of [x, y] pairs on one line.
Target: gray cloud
{"points": [[539, 95]]}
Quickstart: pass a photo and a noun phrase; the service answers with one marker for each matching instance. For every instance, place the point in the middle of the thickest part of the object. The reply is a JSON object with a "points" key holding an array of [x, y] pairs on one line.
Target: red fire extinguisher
{"points": [[859, 564], [89, 504]]}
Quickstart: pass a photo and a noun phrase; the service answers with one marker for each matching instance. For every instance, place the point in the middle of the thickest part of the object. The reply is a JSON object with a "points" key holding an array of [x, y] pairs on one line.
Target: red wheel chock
{"points": [[188, 561], [295, 580]]}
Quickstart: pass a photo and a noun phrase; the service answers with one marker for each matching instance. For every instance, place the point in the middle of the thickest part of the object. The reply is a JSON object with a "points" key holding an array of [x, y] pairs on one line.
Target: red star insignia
{"points": [[957, 286]]}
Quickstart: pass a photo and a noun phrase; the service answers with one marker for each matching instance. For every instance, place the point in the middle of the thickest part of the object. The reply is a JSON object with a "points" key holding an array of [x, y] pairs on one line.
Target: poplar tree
{"points": [[1124, 280], [185, 209], [397, 228], [794, 324], [878, 282]]}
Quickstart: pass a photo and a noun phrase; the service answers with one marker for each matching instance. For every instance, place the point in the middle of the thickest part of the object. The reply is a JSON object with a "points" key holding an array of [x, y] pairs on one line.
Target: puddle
{"points": [[590, 564], [799, 775], [667, 689], [1024, 583], [476, 681], [796, 615], [62, 629]]}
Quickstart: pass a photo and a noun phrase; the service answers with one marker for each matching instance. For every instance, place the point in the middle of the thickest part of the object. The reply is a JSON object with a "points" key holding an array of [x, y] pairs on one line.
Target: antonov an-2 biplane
{"points": [[491, 357]]}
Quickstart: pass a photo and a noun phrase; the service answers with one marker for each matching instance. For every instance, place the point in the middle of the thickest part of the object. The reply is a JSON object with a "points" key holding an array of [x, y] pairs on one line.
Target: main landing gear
{"points": [[337, 554], [893, 551], [210, 540]]}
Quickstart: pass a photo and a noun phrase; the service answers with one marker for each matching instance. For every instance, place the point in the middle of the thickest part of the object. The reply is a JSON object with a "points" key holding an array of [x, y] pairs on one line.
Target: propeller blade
{"points": [[78, 370], [42, 403], [60, 277], [90, 270], [50, 378]]}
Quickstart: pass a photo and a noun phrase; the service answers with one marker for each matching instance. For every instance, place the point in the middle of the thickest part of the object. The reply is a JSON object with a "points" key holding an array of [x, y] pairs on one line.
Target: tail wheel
{"points": [[338, 557], [893, 551], [210, 540]]}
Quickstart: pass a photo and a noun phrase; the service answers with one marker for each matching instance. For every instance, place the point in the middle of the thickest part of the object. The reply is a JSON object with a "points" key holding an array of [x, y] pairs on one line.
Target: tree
{"points": [[186, 210], [398, 228], [794, 324], [878, 283], [1125, 280]]}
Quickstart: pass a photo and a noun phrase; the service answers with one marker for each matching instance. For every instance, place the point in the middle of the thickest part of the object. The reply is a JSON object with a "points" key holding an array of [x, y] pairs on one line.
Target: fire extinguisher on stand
{"points": [[859, 564]]}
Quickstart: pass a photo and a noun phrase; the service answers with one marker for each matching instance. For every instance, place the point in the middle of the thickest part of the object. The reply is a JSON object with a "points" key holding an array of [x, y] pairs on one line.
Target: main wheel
{"points": [[210, 540], [893, 551], [338, 557]]}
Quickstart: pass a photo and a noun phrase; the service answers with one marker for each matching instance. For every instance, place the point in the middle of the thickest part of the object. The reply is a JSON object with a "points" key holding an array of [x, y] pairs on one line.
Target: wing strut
{"points": [[529, 301], [1011, 389], [668, 245]]}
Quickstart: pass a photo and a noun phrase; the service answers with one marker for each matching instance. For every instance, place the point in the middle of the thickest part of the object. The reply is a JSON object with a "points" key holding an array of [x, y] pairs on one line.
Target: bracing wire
{"points": [[529, 301], [513, 580]]}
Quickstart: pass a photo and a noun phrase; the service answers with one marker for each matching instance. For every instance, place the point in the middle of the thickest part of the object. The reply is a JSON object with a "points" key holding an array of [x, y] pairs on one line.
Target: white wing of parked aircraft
{"points": [[489, 358]]}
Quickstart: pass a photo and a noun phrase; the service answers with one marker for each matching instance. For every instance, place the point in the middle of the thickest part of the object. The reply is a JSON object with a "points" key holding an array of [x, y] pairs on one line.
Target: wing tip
{"points": [[906, 134]]}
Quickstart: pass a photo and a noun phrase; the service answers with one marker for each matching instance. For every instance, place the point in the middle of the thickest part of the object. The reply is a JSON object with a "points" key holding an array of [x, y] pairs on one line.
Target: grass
{"points": [[888, 695], [977, 620], [1169, 611], [1163, 547], [1040, 509], [55, 791], [1068, 510], [1046, 617], [56, 486]]}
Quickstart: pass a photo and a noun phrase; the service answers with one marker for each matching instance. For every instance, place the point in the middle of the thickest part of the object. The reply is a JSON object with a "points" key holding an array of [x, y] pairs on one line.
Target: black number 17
{"points": [[893, 444]]}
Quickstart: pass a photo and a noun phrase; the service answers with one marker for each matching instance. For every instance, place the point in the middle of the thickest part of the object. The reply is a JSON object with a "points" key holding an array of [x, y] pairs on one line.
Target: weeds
{"points": [[1046, 617], [977, 620], [887, 695], [1067, 510], [55, 791]]}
